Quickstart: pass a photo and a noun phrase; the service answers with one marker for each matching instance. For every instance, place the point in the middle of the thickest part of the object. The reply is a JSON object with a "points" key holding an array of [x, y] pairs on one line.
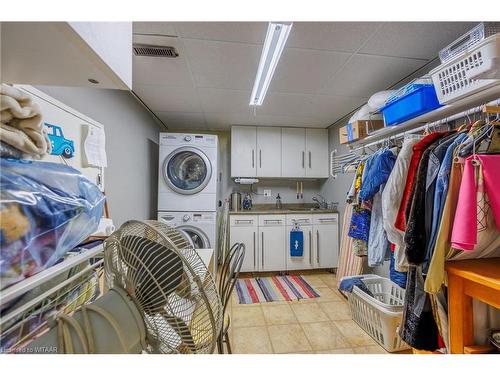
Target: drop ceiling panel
{"points": [[321, 108], [333, 36], [161, 70], [226, 120], [182, 120], [222, 64], [367, 74], [161, 28], [415, 39], [290, 77], [242, 32], [163, 98]]}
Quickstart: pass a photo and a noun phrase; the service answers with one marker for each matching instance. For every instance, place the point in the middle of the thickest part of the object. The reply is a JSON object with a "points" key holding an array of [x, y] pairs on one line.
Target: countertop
{"points": [[287, 209]]}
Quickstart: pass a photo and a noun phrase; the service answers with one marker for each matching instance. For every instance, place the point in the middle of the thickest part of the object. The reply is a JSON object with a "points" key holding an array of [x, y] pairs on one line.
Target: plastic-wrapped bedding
{"points": [[46, 209]]}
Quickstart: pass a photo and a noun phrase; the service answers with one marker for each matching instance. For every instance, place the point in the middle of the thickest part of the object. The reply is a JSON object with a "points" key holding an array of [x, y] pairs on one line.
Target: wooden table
{"points": [[468, 279]]}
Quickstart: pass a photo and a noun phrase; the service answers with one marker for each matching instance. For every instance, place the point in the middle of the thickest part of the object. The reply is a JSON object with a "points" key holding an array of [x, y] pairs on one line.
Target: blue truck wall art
{"points": [[60, 145]]}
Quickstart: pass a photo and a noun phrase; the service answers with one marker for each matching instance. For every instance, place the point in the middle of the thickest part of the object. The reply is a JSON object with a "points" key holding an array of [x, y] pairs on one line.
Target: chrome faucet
{"points": [[322, 203]]}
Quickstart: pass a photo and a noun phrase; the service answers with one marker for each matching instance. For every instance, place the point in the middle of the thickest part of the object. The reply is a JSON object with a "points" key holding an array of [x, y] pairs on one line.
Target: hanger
{"points": [[486, 133]]}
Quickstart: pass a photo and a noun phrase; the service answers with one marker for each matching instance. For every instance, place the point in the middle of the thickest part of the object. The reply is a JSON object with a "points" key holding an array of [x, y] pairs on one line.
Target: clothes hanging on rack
{"points": [[391, 200], [431, 206]]}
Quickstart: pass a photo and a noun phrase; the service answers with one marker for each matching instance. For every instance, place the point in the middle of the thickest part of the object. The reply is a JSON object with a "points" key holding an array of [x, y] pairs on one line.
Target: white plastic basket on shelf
{"points": [[469, 72], [380, 316]]}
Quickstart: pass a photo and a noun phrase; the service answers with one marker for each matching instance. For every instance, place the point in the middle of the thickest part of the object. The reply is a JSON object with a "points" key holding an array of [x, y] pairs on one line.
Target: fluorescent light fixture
{"points": [[277, 34]]}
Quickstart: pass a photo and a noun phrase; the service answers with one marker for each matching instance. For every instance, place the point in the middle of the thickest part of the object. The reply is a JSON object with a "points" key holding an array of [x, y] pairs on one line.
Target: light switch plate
{"points": [[267, 192]]}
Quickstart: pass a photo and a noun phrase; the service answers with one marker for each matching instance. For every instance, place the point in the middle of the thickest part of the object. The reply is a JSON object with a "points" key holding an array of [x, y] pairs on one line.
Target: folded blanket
{"points": [[21, 123]]}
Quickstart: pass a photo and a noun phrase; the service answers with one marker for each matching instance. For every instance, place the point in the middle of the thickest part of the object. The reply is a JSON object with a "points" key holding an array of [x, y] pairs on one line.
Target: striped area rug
{"points": [[275, 288]]}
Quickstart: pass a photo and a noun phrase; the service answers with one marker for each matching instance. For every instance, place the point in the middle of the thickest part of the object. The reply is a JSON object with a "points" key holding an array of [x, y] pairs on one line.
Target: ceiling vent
{"points": [[154, 51]]}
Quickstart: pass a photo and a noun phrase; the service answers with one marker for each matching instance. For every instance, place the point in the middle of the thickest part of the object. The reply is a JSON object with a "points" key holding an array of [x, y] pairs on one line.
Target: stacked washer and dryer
{"points": [[187, 186]]}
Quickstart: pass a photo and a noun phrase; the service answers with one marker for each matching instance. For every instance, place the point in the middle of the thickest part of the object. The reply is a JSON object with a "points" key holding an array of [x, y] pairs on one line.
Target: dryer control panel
{"points": [[182, 139]]}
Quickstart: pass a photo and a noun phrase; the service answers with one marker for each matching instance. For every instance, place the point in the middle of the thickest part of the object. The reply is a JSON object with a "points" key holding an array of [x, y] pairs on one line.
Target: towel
{"points": [[21, 123]]}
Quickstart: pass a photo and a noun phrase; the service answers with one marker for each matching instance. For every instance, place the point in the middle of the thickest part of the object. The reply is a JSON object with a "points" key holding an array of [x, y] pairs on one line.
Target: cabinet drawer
{"points": [[301, 219], [271, 220], [243, 220], [319, 219]]}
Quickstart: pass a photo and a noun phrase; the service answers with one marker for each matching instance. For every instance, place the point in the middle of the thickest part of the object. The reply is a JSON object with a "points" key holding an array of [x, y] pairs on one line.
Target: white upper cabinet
{"points": [[317, 153], [243, 151], [293, 152], [268, 152], [279, 152]]}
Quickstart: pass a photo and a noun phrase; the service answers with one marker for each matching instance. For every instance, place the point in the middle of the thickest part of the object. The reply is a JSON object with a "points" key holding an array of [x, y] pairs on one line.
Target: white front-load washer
{"points": [[187, 179], [199, 228]]}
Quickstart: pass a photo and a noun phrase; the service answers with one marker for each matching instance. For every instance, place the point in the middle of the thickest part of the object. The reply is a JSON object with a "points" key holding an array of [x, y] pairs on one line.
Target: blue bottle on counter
{"points": [[247, 202]]}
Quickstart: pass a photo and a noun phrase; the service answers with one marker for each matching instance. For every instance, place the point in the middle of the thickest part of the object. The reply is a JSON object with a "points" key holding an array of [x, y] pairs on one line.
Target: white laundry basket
{"points": [[380, 316]]}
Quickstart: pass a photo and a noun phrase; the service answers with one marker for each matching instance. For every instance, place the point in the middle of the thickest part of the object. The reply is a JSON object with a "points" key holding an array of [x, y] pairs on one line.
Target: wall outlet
{"points": [[267, 193]]}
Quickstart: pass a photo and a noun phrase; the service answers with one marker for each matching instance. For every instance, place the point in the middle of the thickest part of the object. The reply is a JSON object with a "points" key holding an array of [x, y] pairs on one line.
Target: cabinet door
{"points": [[306, 260], [293, 154], [247, 236], [316, 153], [268, 152], [272, 248], [243, 151], [326, 245]]}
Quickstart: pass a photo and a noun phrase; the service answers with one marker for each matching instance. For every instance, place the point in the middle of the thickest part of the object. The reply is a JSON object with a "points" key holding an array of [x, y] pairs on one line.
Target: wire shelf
{"points": [[65, 287]]}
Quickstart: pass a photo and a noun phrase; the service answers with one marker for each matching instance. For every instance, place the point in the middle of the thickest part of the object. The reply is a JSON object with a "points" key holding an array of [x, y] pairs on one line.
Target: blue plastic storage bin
{"points": [[419, 100]]}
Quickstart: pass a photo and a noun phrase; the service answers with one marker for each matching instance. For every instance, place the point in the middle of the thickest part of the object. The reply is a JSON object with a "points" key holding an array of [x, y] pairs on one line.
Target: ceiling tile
{"points": [[223, 64], [226, 120], [161, 28], [333, 36], [182, 120], [415, 39], [301, 71], [224, 101], [364, 75], [243, 32], [163, 98], [321, 108], [161, 70]]}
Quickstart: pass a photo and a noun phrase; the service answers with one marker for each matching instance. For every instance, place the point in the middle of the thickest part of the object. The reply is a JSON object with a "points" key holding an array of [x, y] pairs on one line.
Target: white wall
{"points": [[335, 189], [131, 146]]}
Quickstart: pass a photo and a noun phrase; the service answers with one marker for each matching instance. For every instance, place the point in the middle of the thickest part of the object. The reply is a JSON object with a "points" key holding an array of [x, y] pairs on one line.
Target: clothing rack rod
{"points": [[431, 124]]}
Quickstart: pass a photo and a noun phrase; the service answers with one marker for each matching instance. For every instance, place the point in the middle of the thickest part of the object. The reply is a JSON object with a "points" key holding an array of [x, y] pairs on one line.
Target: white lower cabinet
{"points": [[243, 229], [267, 241], [325, 240], [272, 243], [306, 260]]}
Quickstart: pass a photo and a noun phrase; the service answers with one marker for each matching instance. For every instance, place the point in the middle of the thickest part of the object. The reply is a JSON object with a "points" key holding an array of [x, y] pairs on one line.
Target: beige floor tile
{"points": [[336, 310], [324, 335], [278, 314], [329, 279], [315, 281], [302, 301], [288, 338], [248, 316], [353, 333], [372, 349], [309, 313], [327, 294], [251, 340], [336, 351]]}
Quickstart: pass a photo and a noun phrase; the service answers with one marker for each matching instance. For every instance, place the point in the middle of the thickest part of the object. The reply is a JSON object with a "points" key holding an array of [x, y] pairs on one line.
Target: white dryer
{"points": [[188, 172]]}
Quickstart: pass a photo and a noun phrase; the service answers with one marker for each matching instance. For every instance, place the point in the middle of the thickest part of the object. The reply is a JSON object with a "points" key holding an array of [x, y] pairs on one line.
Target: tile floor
{"points": [[320, 325]]}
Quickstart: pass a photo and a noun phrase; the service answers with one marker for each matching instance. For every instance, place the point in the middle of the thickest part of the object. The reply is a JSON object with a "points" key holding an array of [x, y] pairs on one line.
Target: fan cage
{"points": [[169, 283]]}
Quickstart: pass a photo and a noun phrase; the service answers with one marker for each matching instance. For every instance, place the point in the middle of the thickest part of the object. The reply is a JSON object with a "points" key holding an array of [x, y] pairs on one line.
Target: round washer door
{"points": [[198, 238], [187, 170]]}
